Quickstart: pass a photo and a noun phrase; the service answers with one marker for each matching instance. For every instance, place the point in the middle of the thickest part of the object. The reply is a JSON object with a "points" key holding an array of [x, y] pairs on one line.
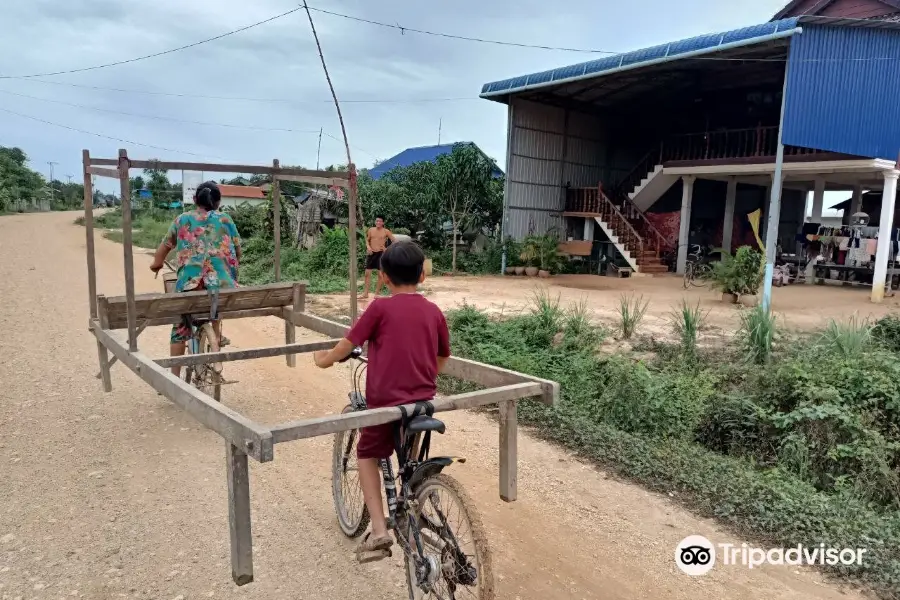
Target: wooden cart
{"points": [[243, 437]]}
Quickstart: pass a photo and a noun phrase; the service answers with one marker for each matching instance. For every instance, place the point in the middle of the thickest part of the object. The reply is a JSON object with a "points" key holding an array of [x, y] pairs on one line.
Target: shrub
{"points": [[756, 334], [631, 313], [886, 333], [687, 323], [847, 339], [740, 274]]}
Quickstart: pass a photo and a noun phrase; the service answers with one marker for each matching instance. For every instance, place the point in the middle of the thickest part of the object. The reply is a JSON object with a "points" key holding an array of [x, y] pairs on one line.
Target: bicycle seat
{"points": [[424, 423]]}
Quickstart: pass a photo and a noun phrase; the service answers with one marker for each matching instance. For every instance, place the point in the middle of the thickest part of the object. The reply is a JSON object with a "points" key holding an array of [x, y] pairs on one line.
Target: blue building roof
{"points": [[411, 156], [695, 46]]}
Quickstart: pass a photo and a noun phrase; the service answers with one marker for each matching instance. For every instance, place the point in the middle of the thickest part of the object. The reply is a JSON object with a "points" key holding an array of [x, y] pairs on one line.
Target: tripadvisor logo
{"points": [[696, 555]]}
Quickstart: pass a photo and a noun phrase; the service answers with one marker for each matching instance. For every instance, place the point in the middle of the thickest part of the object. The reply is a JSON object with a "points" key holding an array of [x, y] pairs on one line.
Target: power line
{"points": [[459, 37], [155, 54], [249, 99], [159, 117], [100, 135]]}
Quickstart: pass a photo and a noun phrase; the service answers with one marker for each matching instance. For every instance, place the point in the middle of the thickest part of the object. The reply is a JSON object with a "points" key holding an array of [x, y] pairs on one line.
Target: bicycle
{"points": [[207, 377], [436, 564], [696, 272]]}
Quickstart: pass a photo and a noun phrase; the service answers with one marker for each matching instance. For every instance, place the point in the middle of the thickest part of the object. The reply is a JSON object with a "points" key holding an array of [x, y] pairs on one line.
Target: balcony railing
{"points": [[758, 142]]}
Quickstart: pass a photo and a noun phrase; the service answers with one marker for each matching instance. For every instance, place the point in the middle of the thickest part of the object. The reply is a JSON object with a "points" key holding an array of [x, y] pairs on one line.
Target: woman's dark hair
{"points": [[402, 263], [208, 195]]}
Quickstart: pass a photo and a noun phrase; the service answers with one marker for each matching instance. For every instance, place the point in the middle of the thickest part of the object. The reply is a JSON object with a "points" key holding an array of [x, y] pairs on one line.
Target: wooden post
{"points": [[239, 514], [290, 330], [102, 352], [89, 233], [276, 211], [352, 226], [125, 191], [508, 451]]}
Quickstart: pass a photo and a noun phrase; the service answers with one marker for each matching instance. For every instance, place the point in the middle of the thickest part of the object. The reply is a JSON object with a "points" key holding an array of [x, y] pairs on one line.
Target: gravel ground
{"points": [[122, 495]]}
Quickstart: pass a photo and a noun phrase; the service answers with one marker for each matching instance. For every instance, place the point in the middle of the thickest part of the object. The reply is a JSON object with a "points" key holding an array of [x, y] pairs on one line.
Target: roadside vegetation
{"points": [[786, 443]]}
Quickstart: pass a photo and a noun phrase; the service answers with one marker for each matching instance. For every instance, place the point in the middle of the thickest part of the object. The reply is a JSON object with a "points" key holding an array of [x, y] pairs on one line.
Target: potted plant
{"points": [[531, 254], [739, 277]]}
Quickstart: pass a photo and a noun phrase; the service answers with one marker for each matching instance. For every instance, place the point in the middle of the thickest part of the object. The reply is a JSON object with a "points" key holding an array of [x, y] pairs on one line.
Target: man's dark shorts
{"points": [[373, 261]]}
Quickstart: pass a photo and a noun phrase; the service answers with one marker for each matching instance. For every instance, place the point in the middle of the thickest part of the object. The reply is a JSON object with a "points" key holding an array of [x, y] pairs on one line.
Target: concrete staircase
{"points": [[641, 260], [651, 188]]}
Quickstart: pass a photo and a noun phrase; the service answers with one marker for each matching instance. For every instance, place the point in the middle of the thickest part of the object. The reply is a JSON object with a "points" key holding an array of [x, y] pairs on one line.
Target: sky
{"points": [[412, 85]]}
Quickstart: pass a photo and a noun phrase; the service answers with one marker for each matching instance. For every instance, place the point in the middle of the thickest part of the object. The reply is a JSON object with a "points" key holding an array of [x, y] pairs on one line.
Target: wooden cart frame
{"points": [[243, 437]]}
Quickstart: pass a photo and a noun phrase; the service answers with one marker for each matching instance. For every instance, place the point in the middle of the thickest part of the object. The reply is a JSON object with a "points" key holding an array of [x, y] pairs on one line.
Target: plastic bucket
{"points": [[428, 267]]}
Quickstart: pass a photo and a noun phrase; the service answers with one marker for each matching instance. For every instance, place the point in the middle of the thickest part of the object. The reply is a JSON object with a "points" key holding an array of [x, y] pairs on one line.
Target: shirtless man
{"points": [[376, 241]]}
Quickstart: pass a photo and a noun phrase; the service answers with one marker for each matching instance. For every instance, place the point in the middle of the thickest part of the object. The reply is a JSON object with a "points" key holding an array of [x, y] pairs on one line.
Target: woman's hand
{"points": [[156, 267]]}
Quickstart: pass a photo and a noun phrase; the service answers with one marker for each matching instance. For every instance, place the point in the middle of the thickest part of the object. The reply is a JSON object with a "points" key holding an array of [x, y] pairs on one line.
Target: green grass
{"points": [[803, 451], [631, 312]]}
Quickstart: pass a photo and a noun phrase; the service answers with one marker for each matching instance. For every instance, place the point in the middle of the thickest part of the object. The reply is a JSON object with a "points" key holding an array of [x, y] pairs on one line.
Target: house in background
{"points": [[411, 156], [645, 149], [235, 195]]}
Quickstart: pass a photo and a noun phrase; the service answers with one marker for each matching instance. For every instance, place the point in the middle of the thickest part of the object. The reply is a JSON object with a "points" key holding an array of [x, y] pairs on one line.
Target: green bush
{"points": [[741, 274], [886, 333]]}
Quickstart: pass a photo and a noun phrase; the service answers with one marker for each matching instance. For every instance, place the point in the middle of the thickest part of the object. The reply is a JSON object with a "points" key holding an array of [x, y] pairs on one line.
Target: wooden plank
{"points": [[252, 438], [461, 368], [233, 168], [89, 233], [140, 330], [248, 354], [353, 227], [102, 352], [237, 314], [239, 514], [276, 213], [307, 428], [329, 181], [509, 429], [106, 162], [100, 172], [125, 191], [290, 330]]}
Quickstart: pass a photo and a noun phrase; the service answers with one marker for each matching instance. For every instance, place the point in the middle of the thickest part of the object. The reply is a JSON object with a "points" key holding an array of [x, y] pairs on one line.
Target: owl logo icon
{"points": [[695, 555]]}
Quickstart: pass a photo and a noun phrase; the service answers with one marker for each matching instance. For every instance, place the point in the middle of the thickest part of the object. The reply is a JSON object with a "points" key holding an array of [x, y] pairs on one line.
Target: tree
{"points": [[463, 185], [17, 181]]}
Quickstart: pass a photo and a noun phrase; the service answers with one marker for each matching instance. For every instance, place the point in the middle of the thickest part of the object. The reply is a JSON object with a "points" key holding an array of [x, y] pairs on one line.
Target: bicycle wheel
{"points": [[700, 275], [688, 275], [352, 514], [207, 378], [453, 541]]}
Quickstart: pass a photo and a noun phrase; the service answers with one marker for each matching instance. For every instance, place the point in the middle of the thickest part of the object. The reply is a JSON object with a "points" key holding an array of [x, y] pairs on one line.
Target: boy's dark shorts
{"points": [[376, 442], [373, 261]]}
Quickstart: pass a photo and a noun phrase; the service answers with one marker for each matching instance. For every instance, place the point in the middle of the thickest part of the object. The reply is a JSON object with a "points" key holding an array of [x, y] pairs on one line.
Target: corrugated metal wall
{"points": [[843, 92], [548, 148]]}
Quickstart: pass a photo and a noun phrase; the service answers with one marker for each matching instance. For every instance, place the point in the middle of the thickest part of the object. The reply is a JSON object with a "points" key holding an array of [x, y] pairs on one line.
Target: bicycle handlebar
{"points": [[355, 353]]}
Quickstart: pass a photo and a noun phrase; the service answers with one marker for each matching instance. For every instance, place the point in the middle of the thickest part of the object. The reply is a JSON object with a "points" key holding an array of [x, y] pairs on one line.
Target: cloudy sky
{"points": [[410, 82]]}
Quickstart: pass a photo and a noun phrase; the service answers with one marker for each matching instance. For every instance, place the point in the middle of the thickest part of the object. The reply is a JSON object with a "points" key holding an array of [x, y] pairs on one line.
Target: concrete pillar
{"points": [[687, 197], [818, 200], [856, 202], [728, 225], [885, 225]]}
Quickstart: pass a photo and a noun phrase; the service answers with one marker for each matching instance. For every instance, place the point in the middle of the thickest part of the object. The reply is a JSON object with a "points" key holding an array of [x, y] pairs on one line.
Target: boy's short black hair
{"points": [[402, 263], [208, 195], [379, 217]]}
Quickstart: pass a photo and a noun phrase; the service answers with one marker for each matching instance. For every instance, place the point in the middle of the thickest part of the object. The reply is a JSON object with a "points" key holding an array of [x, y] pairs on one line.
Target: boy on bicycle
{"points": [[408, 344]]}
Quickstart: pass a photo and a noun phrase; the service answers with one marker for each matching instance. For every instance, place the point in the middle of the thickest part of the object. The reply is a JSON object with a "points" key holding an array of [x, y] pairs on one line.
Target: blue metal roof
{"points": [[842, 89], [704, 44], [411, 156]]}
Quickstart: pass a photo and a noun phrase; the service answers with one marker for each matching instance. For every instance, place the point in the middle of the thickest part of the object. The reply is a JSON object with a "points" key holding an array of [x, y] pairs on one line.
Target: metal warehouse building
{"points": [[698, 128]]}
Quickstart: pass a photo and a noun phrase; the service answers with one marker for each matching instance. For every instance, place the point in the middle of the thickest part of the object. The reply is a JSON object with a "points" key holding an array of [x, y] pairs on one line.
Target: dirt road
{"points": [[123, 496]]}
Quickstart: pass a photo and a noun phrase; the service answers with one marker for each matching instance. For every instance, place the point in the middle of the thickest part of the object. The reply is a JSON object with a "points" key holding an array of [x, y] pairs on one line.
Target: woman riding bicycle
{"points": [[208, 251]]}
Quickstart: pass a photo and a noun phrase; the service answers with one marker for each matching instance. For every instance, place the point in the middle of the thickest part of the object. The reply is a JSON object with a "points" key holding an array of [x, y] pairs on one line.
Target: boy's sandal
{"points": [[371, 548]]}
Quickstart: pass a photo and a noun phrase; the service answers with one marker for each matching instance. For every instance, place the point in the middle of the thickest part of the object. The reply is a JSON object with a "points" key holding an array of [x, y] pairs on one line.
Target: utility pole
{"points": [[319, 151], [69, 177], [50, 184], [440, 125]]}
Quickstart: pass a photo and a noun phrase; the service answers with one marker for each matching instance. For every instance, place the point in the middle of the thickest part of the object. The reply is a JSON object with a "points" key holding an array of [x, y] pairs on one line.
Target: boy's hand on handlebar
{"points": [[322, 359]]}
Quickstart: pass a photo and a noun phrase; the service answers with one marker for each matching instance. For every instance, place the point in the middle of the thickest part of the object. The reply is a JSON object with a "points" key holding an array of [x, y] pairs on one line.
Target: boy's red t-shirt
{"points": [[406, 333]]}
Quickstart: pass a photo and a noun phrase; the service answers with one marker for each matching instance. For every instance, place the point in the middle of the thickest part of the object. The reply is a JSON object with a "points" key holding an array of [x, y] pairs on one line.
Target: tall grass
{"points": [[847, 339], [687, 321], [631, 312], [756, 335]]}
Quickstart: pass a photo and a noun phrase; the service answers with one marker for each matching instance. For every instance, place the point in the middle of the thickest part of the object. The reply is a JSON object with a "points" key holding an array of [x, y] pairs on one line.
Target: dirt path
{"points": [[799, 307], [123, 495]]}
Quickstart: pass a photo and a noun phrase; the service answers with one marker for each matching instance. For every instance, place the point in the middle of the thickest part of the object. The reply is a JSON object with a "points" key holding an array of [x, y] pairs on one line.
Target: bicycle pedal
{"points": [[373, 556]]}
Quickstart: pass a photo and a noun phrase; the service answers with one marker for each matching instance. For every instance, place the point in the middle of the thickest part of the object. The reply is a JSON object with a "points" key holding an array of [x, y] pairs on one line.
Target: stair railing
{"points": [[625, 231]]}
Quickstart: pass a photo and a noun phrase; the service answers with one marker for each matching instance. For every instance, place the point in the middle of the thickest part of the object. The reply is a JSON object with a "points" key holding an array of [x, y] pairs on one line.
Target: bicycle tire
{"points": [[699, 274], [208, 378], [466, 509], [687, 279], [352, 526]]}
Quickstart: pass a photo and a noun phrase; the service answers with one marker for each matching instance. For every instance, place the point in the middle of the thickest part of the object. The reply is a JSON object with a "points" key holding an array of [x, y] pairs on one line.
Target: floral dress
{"points": [[204, 244]]}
